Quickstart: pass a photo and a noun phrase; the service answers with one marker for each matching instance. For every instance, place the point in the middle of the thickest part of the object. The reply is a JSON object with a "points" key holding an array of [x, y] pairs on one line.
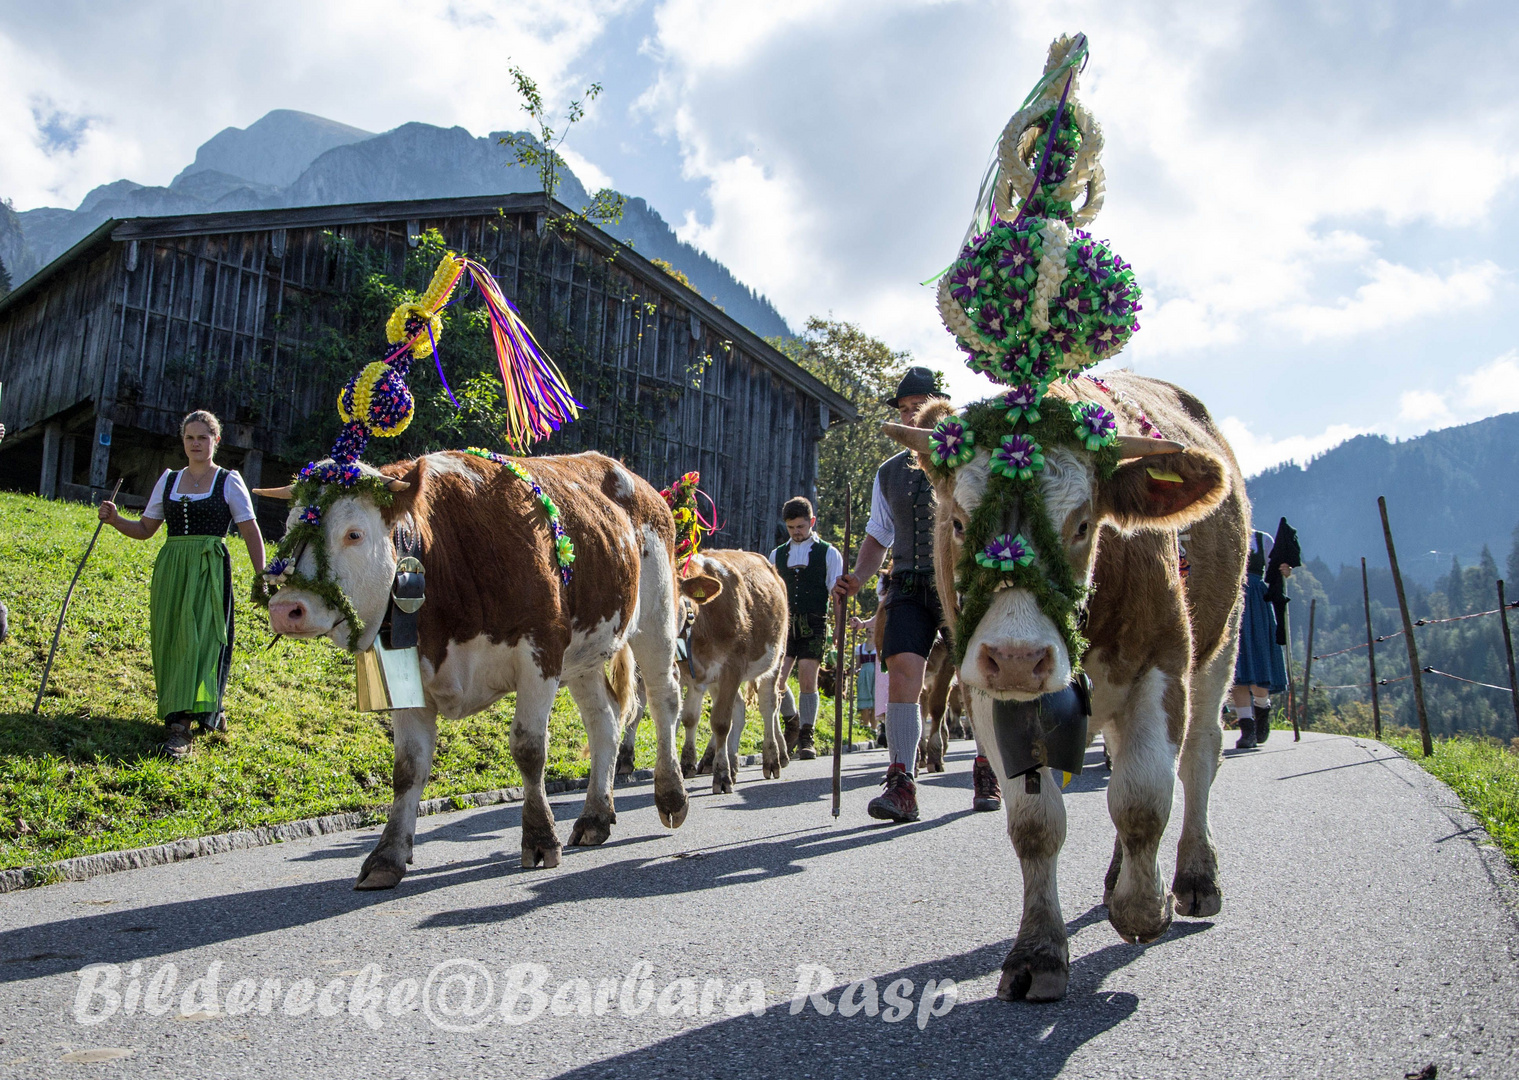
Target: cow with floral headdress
{"points": [[1059, 508]]}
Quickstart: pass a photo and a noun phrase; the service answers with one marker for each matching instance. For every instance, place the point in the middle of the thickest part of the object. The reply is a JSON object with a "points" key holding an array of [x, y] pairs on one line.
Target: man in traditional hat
{"points": [[902, 523]]}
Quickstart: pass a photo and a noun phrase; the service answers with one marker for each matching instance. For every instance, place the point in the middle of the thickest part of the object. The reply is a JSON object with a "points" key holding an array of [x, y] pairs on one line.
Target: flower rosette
{"points": [[1095, 426], [952, 443], [1017, 457], [1022, 402], [278, 570], [1006, 553], [311, 515]]}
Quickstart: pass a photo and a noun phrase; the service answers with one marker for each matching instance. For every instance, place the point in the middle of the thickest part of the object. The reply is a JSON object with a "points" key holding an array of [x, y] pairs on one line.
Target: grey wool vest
{"points": [[910, 497]]}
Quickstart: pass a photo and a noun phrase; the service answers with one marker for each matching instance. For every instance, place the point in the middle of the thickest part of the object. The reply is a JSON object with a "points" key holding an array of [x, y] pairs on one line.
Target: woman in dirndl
{"points": [[1260, 670], [191, 595]]}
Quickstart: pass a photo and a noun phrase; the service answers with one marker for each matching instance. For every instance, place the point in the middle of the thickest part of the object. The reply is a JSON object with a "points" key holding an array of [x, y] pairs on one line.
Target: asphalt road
{"points": [[1365, 933]]}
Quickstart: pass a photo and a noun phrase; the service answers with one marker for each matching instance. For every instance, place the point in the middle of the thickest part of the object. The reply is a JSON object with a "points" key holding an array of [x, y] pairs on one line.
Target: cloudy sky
{"points": [[1321, 199]]}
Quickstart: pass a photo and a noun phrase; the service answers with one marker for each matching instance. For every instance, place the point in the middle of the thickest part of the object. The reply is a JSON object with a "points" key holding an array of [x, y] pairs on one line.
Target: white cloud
{"points": [[1493, 387], [1258, 452], [1425, 407], [586, 171], [1395, 295]]}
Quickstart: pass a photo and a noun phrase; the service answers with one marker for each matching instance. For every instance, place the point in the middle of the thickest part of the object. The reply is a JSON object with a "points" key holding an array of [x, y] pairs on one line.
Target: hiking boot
{"points": [[793, 733], [1246, 735], [805, 749], [1262, 723], [899, 802], [988, 793], [177, 741], [880, 736], [209, 722]]}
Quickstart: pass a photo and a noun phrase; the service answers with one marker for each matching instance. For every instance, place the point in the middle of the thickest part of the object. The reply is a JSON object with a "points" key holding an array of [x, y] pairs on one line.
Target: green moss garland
{"points": [[1050, 577]]}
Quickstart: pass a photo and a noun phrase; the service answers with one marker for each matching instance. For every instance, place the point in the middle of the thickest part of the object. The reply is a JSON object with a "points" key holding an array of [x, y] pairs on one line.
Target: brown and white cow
{"points": [[738, 637], [498, 620], [1161, 658]]}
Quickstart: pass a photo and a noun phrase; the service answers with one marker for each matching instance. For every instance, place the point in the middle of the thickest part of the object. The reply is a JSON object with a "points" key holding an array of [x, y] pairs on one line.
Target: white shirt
{"points": [[801, 555], [880, 528], [239, 501]]}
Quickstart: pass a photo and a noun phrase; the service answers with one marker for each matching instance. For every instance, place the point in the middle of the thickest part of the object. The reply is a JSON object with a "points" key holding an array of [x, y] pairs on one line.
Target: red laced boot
{"points": [[899, 802]]}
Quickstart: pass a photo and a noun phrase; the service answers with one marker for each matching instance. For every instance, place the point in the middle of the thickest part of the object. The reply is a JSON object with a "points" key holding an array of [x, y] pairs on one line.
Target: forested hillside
{"points": [[1449, 492]]}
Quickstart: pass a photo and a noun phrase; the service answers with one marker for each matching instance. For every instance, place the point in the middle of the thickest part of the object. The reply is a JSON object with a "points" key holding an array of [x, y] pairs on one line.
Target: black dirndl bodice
{"points": [[210, 516]]}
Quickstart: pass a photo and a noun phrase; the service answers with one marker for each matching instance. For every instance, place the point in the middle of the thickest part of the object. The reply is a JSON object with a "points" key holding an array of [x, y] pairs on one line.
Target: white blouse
{"points": [[239, 501]]}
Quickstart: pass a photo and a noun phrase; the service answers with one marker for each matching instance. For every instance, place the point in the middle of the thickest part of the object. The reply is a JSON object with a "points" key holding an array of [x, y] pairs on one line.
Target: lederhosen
{"points": [[806, 600], [192, 610], [913, 615]]}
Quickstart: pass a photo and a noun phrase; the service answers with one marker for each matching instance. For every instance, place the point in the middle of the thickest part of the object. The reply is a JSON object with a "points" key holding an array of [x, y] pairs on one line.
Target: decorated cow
{"points": [[463, 576], [1059, 508]]}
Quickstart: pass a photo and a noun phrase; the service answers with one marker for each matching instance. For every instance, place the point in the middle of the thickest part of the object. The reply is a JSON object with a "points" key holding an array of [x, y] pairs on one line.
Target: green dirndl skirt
{"points": [[191, 605]]}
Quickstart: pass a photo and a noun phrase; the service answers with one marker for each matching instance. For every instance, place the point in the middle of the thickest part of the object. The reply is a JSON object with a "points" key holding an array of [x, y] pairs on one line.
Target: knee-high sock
{"points": [[809, 710], [1244, 712], [788, 704], [904, 727]]}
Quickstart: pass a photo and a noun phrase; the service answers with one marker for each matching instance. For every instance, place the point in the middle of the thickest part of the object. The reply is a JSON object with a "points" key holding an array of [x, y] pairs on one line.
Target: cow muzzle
{"points": [[293, 616], [1015, 652]]}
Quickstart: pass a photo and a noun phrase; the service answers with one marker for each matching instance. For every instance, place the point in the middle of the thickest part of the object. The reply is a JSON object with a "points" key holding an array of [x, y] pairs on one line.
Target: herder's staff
{"points": [[48, 668], [838, 667]]}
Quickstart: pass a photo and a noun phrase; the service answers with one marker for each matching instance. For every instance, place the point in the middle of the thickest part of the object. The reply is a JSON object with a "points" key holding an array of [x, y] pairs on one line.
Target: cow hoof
{"points": [[936, 765], [591, 830], [723, 786], [1196, 897], [1040, 973], [672, 807], [1141, 921], [770, 768], [379, 872], [624, 762], [534, 855], [688, 769]]}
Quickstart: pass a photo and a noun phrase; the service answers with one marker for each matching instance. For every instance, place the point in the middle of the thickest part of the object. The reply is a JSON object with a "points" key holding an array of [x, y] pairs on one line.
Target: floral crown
{"points": [[1031, 298]]}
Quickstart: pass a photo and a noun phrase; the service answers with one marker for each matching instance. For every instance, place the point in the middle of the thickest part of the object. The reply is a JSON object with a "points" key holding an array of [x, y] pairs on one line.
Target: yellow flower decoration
{"points": [[363, 387], [426, 308]]}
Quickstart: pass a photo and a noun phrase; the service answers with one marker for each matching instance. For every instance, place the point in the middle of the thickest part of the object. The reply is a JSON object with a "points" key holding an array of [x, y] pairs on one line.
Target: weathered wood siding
{"points": [[169, 319]]}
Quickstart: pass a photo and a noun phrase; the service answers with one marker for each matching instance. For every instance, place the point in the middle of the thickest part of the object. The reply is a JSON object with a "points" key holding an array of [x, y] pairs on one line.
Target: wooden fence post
{"points": [[1508, 647], [1291, 693], [1307, 670], [1371, 654], [1414, 671]]}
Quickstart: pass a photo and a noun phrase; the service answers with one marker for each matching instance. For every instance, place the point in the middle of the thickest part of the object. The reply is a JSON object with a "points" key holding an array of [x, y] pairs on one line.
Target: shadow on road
{"points": [[985, 1037]]}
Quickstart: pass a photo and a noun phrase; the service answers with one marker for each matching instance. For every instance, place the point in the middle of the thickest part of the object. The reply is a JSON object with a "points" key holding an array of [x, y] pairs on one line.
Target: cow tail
{"points": [[620, 681]]}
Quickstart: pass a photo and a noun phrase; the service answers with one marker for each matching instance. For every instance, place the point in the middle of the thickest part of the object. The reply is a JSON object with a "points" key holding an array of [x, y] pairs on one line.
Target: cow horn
{"points": [[397, 485], [275, 493], [1133, 446], [914, 438]]}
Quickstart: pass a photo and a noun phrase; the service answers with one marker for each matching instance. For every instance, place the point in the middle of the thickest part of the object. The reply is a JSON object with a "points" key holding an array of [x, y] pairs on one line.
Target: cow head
{"points": [[1016, 605], [333, 570]]}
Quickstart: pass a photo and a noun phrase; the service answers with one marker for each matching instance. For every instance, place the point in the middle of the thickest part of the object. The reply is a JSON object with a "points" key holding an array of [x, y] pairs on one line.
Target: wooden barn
{"points": [[104, 350]]}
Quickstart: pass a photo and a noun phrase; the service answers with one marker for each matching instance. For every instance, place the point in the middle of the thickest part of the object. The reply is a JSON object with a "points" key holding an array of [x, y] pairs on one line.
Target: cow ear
{"points": [[700, 587], [1164, 491]]}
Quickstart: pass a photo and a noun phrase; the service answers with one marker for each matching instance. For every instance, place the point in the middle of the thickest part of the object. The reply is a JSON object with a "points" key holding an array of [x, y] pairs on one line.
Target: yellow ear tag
{"points": [[1168, 476], [1065, 778]]}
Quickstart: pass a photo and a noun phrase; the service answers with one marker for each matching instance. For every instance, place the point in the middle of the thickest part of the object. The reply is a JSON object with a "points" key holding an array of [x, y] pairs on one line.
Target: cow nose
{"points": [[1015, 667], [286, 617]]}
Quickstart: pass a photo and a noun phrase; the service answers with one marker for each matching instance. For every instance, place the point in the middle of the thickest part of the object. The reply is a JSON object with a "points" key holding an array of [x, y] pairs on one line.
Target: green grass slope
{"points": [[84, 777]]}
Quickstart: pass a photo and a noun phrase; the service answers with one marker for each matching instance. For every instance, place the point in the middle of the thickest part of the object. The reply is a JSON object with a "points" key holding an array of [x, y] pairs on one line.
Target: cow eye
{"points": [[354, 536], [1081, 530], [959, 528]]}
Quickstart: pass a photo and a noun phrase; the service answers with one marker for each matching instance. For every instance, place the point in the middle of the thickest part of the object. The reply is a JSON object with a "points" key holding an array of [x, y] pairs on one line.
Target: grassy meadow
{"points": [[83, 775]]}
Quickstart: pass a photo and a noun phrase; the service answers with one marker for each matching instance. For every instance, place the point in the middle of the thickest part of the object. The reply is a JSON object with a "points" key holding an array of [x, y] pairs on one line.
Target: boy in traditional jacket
{"points": [[810, 566]]}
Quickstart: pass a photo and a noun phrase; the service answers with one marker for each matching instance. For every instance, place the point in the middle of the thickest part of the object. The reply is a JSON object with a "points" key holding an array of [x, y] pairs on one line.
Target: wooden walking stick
{"points": [[48, 667], [838, 665]]}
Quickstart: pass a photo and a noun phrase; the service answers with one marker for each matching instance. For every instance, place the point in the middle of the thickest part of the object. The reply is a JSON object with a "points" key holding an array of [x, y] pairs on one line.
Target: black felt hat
{"points": [[918, 380]]}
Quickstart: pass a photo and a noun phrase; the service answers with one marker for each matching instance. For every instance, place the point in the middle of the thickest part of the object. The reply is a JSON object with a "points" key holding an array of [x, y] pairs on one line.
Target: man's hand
{"points": [[846, 586], [108, 512]]}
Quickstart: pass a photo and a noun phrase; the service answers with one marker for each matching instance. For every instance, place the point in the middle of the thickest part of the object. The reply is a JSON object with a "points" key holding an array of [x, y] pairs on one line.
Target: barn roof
{"points": [[123, 230]]}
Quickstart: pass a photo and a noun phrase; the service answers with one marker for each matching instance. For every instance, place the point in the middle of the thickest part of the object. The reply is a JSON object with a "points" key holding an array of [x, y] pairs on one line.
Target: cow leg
{"points": [[1039, 965], [690, 716], [1139, 800], [725, 702], [935, 702], [529, 746], [773, 756], [653, 644], [630, 736], [416, 735], [594, 700], [1195, 885]]}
